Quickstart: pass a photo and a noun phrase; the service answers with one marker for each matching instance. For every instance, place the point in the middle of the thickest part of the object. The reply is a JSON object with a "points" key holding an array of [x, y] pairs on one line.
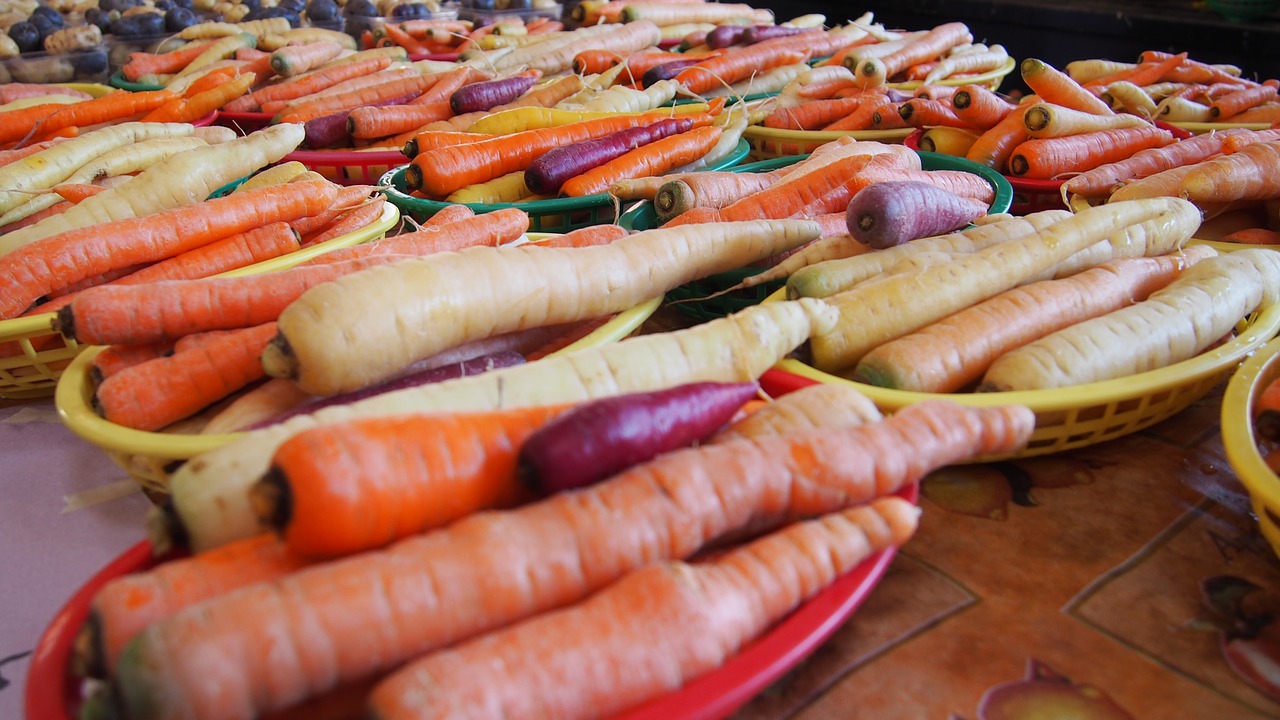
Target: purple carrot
{"points": [[472, 366], [606, 436], [891, 213], [724, 36], [665, 71], [547, 173], [486, 94], [758, 33]]}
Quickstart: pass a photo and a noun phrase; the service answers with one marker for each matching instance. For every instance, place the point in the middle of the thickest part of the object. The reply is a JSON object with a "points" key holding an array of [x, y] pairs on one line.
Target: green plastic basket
{"points": [[118, 81], [555, 215], [699, 299]]}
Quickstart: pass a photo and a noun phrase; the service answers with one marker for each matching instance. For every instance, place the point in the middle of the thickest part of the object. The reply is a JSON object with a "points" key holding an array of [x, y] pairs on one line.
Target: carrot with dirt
{"points": [[1052, 85], [154, 394], [953, 353], [891, 213], [758, 484], [600, 438], [655, 158], [127, 604], [1162, 224], [1051, 157], [209, 498], [441, 171], [350, 487], [672, 258], [178, 181], [657, 628], [1174, 324]]}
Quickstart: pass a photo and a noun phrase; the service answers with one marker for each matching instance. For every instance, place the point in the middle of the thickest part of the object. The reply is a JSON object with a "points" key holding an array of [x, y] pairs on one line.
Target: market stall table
{"points": [[1100, 580]]}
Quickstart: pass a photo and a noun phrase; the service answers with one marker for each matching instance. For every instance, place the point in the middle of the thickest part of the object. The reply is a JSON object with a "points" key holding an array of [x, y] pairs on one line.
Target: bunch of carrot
{"points": [[819, 451], [453, 37]]}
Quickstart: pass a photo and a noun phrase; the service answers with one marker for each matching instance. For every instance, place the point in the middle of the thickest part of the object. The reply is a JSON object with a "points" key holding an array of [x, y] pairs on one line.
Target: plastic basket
{"points": [[349, 167], [118, 81], [1246, 459], [45, 354], [1083, 415], [244, 122], [148, 456], [700, 299], [553, 215]]}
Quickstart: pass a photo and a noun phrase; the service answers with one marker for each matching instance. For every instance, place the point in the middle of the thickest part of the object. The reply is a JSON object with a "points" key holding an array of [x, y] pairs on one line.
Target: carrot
{"points": [[585, 236], [443, 170], [199, 105], [953, 353], [1253, 236], [1266, 411], [141, 64], [979, 107], [1144, 73], [1050, 157], [656, 158], [600, 438], [425, 140], [1100, 181], [157, 393], [761, 482], [879, 170], [1175, 324], [348, 197], [1162, 224], [313, 82], [552, 169], [735, 65], [996, 144], [891, 213], [812, 115], [448, 214], [350, 487], [33, 270], [595, 60], [715, 189], [1054, 86], [921, 113], [115, 358], [1247, 174], [675, 256], [489, 229], [648, 633], [350, 221], [127, 604], [112, 106], [812, 406], [1233, 103], [237, 251], [384, 121], [75, 192], [350, 100], [1198, 72], [968, 63], [1267, 112], [932, 44], [1048, 120]]}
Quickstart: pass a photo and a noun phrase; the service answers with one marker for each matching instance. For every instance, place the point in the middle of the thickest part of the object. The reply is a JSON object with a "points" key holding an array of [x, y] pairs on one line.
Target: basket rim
{"points": [[1237, 428], [73, 394], [1263, 328]]}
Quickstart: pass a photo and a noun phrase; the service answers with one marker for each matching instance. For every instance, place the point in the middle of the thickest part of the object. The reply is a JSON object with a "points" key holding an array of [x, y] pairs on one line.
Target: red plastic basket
{"points": [[349, 167], [244, 122]]}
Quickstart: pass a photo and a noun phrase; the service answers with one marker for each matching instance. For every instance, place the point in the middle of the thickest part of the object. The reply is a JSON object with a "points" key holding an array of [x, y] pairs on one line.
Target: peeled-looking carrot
{"points": [[953, 353], [1247, 174], [305, 349], [33, 270], [1051, 157], [813, 406], [210, 499], [1173, 324], [360, 485], [1100, 181], [647, 634], [127, 604], [883, 315], [730, 486]]}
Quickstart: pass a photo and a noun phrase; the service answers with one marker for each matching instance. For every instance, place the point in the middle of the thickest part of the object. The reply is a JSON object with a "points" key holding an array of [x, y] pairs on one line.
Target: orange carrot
{"points": [[448, 214], [367, 95], [595, 60], [210, 80], [1045, 158], [348, 197], [1266, 411], [1144, 73], [492, 228], [127, 604], [1253, 236], [157, 311], [312, 82], [1192, 71], [1251, 173], [8, 156], [357, 217], [157, 393], [448, 82], [141, 64], [922, 112], [114, 358], [736, 64], [933, 43], [813, 114], [33, 270], [1054, 86], [952, 354], [1100, 181], [1233, 103], [443, 170], [345, 488], [398, 36], [236, 251], [713, 189], [862, 116], [655, 158], [43, 119], [888, 117], [75, 192], [387, 120], [201, 104], [647, 634], [585, 236], [475, 575], [425, 140]]}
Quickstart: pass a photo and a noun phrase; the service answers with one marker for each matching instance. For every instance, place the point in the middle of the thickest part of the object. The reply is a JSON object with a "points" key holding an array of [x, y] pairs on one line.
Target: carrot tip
{"points": [[272, 499], [278, 359]]}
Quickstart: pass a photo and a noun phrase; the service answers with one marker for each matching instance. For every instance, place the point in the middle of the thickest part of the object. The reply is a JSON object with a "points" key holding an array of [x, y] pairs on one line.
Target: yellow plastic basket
{"points": [[149, 456], [1246, 460], [1084, 415], [46, 353]]}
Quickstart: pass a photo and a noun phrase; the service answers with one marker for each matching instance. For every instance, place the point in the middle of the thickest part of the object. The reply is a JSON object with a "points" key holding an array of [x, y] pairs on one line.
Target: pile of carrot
{"points": [[453, 37], [778, 466]]}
